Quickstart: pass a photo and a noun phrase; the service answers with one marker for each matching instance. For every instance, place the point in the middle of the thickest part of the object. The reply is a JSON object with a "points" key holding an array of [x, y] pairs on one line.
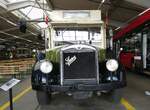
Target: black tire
{"points": [[43, 98], [116, 95]]}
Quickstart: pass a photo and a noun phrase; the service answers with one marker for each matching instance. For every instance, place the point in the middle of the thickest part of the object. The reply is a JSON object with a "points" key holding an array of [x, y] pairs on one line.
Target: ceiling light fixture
{"points": [[103, 1], [100, 5], [117, 28]]}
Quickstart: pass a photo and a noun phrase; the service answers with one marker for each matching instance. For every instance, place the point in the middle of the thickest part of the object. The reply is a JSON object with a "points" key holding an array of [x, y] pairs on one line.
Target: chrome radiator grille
{"points": [[79, 67]]}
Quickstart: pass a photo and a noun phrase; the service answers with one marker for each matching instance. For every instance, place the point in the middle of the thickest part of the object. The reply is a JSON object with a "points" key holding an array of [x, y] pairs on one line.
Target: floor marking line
{"points": [[4, 106], [127, 105]]}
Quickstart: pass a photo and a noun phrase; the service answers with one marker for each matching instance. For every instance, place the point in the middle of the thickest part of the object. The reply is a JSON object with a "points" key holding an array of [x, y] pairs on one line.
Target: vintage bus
{"points": [[134, 39], [75, 61]]}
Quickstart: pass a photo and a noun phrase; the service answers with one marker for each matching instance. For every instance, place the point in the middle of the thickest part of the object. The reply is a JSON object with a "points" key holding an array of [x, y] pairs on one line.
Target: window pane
{"points": [[69, 35], [76, 14], [81, 35]]}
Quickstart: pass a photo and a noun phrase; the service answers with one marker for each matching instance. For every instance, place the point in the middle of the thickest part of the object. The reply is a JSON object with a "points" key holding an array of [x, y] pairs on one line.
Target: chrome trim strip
{"points": [[61, 67], [83, 79], [97, 65], [78, 46]]}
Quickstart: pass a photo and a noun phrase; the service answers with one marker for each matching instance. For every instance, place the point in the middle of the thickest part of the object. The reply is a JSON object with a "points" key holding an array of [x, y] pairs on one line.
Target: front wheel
{"points": [[43, 98], [115, 95]]}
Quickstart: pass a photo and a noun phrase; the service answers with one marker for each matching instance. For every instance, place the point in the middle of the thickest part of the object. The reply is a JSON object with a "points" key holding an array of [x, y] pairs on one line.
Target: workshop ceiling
{"points": [[118, 12], [74, 4], [10, 33]]}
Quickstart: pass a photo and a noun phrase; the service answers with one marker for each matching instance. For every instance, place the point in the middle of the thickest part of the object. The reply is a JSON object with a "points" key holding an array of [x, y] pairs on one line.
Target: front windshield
{"points": [[84, 36]]}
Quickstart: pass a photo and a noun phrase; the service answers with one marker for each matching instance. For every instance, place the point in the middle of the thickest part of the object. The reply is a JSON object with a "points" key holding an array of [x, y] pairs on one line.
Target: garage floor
{"points": [[134, 98]]}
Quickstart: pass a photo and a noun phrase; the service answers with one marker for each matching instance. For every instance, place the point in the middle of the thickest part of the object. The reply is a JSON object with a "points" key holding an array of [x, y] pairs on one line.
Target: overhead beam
{"points": [[50, 4], [3, 4], [10, 29], [23, 4], [18, 5], [116, 23], [39, 4], [17, 37], [2, 39], [143, 3]]}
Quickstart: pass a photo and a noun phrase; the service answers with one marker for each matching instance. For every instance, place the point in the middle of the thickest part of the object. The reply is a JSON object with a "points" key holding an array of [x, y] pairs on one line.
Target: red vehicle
{"points": [[126, 58], [134, 39]]}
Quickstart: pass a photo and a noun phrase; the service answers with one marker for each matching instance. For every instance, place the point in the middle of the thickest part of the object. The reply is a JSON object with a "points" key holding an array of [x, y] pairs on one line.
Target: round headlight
{"points": [[46, 67], [112, 65]]}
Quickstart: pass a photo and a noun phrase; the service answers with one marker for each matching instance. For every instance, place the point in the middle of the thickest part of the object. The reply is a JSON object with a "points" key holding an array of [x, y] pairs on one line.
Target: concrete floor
{"points": [[134, 94]]}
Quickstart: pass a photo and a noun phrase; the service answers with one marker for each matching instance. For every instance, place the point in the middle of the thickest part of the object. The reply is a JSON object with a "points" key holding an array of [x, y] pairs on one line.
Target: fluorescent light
{"points": [[117, 28], [10, 22], [144, 11], [103, 1], [2, 39]]}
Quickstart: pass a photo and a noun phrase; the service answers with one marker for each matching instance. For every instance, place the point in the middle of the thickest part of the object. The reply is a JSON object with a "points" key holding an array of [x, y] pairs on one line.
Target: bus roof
{"points": [[141, 19]]}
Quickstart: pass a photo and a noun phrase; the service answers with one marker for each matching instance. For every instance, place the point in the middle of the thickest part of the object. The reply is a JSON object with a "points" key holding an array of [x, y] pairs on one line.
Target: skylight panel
{"points": [[32, 13], [13, 1]]}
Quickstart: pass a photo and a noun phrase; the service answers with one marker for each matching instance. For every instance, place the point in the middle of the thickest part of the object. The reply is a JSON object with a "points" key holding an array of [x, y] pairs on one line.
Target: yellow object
{"points": [[7, 104], [127, 105]]}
